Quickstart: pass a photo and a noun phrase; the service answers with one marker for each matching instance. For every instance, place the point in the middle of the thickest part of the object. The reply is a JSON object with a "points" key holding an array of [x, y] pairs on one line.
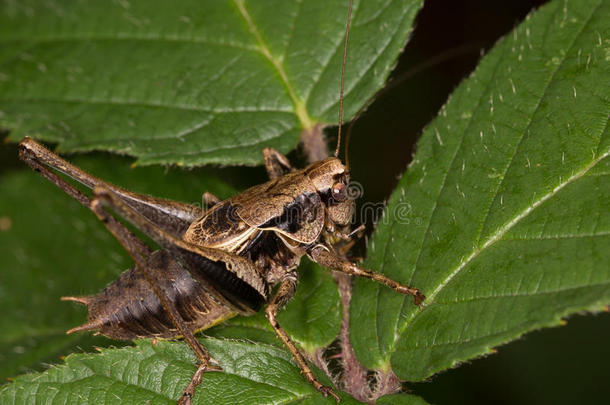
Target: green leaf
{"points": [[157, 374], [89, 83], [189, 82], [400, 399], [503, 218]]}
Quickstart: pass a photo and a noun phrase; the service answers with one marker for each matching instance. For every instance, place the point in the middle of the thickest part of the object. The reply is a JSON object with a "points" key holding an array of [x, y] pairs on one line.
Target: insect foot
{"points": [[326, 391], [418, 297], [189, 391]]}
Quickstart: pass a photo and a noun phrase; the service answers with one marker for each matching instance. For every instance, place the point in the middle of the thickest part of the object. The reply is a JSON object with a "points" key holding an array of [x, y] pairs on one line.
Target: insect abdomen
{"points": [[128, 308]]}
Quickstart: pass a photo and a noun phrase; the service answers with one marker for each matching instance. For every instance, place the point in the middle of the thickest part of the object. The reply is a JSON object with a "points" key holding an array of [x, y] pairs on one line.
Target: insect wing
{"points": [[221, 228], [289, 205]]}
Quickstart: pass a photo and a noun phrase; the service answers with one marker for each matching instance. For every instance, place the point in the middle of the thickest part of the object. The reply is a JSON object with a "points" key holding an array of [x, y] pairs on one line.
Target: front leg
{"points": [[276, 164], [284, 293], [325, 258], [342, 242]]}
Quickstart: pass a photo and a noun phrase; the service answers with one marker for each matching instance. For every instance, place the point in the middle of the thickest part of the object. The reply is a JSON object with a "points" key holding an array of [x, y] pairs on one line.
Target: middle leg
{"points": [[284, 293]]}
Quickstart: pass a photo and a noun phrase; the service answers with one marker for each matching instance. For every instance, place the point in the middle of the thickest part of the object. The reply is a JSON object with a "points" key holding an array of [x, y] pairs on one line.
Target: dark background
{"points": [[562, 365]]}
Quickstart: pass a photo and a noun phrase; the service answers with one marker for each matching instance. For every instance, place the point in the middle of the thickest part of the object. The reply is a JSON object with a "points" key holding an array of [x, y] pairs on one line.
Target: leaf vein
{"points": [[299, 105], [517, 295], [531, 115], [483, 298], [85, 39], [560, 237], [182, 107], [501, 232]]}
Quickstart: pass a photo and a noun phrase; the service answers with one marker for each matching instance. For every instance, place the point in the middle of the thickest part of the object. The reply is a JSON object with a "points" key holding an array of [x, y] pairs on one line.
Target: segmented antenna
{"points": [[349, 17]]}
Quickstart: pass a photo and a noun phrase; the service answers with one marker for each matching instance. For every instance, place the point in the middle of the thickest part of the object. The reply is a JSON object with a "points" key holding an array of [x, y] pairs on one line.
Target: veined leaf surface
{"points": [[157, 374], [503, 218], [189, 82]]}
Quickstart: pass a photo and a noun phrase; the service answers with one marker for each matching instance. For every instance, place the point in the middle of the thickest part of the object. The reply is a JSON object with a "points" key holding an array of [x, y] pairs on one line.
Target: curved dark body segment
{"points": [[236, 291], [128, 308]]}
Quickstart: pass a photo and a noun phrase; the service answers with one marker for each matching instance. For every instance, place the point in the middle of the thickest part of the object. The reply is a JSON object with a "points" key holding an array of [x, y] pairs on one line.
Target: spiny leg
{"points": [[276, 164], [186, 250], [189, 391], [31, 159], [199, 350], [284, 293], [325, 258], [139, 251], [173, 216]]}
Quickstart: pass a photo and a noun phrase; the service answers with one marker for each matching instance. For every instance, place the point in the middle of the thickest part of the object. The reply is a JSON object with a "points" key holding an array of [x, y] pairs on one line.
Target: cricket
{"points": [[235, 257]]}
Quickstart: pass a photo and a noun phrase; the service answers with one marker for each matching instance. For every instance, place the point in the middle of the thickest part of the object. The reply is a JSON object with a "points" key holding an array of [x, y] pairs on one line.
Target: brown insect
{"points": [[218, 263]]}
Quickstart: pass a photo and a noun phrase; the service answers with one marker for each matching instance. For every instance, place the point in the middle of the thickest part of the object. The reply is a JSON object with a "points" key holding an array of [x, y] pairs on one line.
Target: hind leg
{"points": [[132, 245], [126, 238], [173, 216], [187, 253]]}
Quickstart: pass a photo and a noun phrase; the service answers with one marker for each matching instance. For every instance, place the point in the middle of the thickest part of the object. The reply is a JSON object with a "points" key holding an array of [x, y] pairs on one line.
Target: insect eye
{"points": [[338, 192]]}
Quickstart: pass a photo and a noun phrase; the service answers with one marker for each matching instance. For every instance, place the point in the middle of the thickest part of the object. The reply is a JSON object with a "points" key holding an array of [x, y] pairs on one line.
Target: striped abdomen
{"points": [[128, 308]]}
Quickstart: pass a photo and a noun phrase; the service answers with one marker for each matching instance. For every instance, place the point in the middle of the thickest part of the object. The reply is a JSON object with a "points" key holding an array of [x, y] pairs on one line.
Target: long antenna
{"points": [[349, 17], [349, 134]]}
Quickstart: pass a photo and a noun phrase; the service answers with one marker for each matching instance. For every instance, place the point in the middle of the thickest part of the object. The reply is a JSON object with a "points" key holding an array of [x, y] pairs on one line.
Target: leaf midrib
{"points": [[526, 129], [300, 108], [495, 237]]}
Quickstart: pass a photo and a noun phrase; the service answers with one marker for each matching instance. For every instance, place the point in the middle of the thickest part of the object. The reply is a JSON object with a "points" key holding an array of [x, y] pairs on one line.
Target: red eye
{"points": [[338, 192]]}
